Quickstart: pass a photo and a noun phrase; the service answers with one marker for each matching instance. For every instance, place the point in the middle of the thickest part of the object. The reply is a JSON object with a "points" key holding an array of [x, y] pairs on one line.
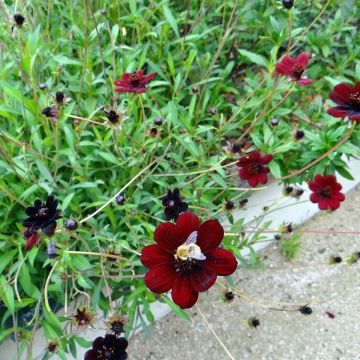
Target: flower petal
{"points": [[355, 116], [222, 261], [266, 159], [160, 279], [302, 59], [203, 278], [285, 66], [31, 211], [333, 204], [169, 236], [153, 255], [90, 355], [305, 81], [253, 181], [125, 90], [183, 293], [98, 343], [48, 228], [147, 78], [188, 222], [210, 235], [262, 178], [31, 241], [342, 92]]}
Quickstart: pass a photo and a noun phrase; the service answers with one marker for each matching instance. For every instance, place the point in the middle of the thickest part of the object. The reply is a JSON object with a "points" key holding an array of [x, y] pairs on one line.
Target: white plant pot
{"points": [[297, 214]]}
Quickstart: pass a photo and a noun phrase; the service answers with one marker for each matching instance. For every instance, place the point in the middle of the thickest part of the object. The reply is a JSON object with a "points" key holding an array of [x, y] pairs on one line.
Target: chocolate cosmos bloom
{"points": [[173, 204], [252, 168], [326, 192], [295, 68], [43, 215], [133, 83], [108, 348], [186, 258], [348, 100]]}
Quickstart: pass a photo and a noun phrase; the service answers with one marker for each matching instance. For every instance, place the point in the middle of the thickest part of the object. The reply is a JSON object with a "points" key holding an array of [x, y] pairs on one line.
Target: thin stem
{"points": [[118, 257], [214, 333], [46, 298], [126, 186], [297, 172], [290, 28]]}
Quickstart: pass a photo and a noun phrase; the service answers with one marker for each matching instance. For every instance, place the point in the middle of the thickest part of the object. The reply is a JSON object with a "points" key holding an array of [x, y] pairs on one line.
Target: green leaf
{"points": [[175, 308], [255, 58], [171, 20]]}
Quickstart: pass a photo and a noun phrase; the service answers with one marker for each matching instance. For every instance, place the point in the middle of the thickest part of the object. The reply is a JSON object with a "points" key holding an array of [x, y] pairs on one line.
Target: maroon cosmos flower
{"points": [[186, 258], [173, 204], [108, 348], [295, 68], [43, 215], [348, 100], [326, 192], [133, 83], [252, 168]]}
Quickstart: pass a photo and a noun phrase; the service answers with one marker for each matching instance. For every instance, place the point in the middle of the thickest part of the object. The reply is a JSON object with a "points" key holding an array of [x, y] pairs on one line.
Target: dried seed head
{"points": [[19, 20], [299, 135], [335, 260], [253, 322], [305, 310], [229, 205], [229, 296]]}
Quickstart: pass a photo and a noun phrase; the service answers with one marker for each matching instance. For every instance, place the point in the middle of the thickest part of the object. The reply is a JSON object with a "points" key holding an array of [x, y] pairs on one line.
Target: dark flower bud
{"points": [[229, 296], [254, 322], [112, 116], [50, 111], [194, 90], [158, 121], [120, 199], [213, 111], [299, 192], [71, 224], [335, 260], [288, 228], [52, 251], [277, 237], [243, 202], [42, 86], [305, 310], [173, 204], [103, 12], [299, 134], [19, 20], [274, 122], [153, 131], [288, 4], [59, 97], [288, 190], [229, 205], [52, 346]]}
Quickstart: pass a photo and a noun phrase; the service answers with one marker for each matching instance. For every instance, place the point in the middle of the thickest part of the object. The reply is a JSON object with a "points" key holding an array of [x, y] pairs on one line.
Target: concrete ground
{"points": [[281, 335]]}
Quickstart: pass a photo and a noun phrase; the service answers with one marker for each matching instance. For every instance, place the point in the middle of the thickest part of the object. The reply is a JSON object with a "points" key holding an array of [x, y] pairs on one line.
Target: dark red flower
{"points": [[43, 215], [108, 348], [186, 258], [326, 192], [173, 204], [252, 168], [295, 68], [348, 100], [133, 83]]}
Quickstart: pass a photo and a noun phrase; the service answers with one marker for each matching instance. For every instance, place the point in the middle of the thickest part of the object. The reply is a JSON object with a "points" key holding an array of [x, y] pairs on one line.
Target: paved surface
{"points": [[281, 335]]}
